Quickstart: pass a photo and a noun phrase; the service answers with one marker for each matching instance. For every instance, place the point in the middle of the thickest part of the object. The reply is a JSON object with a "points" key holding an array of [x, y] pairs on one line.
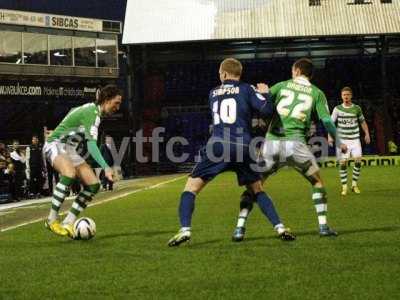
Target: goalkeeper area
{"points": [[129, 257]]}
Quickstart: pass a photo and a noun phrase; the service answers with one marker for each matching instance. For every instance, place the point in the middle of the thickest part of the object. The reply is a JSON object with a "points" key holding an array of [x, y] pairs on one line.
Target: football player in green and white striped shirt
{"points": [[348, 117], [62, 150], [285, 144]]}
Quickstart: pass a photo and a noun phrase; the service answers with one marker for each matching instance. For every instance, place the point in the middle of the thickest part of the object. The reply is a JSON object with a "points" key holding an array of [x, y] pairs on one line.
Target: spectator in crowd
{"points": [[4, 186], [7, 177], [397, 132], [34, 165], [18, 160], [10, 180], [51, 176], [392, 147], [3, 157], [105, 150]]}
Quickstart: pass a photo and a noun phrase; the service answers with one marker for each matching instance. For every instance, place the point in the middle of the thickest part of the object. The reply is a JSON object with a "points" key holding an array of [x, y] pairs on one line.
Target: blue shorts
{"points": [[208, 167]]}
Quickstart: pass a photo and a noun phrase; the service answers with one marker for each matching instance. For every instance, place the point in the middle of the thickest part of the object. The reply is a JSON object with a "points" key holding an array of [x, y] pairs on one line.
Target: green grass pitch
{"points": [[129, 259]]}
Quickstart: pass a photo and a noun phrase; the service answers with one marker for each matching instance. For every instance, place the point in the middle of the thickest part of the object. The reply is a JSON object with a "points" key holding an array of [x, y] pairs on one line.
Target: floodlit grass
{"points": [[129, 258]]}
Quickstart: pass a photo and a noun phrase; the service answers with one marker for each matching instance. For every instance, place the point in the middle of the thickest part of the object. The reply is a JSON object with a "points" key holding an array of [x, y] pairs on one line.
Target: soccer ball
{"points": [[84, 229]]}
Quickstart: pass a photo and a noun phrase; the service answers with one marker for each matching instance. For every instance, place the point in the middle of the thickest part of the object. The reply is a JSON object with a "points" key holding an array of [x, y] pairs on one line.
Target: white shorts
{"points": [[53, 149], [353, 150], [296, 154]]}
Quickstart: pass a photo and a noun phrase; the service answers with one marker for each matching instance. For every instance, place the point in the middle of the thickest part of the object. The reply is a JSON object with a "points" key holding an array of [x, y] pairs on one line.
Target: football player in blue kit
{"points": [[233, 104]]}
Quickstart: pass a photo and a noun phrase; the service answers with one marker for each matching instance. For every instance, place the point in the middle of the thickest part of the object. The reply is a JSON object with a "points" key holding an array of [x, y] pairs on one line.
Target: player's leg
{"points": [[268, 164], [186, 208], [357, 154], [187, 202], [343, 176], [268, 209], [305, 163], [255, 193], [320, 199], [342, 159], [91, 186], [246, 206], [203, 172], [64, 166], [247, 200], [356, 175]]}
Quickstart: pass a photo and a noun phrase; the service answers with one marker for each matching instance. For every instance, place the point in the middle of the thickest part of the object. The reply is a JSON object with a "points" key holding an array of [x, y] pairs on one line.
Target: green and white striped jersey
{"points": [[80, 124], [348, 120]]}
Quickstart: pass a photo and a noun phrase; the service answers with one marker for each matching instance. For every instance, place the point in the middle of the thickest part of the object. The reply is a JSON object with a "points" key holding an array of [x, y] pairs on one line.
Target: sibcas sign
{"points": [[45, 20]]}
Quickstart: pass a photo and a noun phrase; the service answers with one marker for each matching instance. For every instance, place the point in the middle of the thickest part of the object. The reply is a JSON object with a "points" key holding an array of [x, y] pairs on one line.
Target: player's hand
{"points": [[367, 139], [262, 88], [109, 174], [330, 141], [343, 148]]}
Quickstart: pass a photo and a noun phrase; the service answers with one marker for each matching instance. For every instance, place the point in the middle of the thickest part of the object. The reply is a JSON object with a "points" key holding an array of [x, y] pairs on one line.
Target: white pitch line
{"points": [[24, 203], [102, 201], [137, 191]]}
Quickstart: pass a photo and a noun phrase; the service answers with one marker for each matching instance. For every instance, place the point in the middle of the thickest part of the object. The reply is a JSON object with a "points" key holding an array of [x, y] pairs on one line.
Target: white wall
{"points": [[152, 21]]}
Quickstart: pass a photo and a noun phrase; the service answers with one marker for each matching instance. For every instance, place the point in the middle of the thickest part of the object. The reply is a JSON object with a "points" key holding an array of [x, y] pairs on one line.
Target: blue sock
{"points": [[267, 207], [186, 208]]}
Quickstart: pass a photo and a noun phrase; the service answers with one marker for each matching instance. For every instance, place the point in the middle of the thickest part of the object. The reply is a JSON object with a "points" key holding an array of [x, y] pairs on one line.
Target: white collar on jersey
{"points": [[302, 80], [345, 106]]}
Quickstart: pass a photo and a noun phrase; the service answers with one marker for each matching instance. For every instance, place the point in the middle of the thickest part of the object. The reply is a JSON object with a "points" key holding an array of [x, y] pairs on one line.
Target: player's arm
{"points": [[260, 100], [334, 117], [96, 154], [91, 122], [324, 116], [210, 105], [364, 127]]}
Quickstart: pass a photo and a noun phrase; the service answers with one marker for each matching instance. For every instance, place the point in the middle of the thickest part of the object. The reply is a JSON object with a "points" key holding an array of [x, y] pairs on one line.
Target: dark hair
{"points": [[108, 92], [347, 89], [305, 66]]}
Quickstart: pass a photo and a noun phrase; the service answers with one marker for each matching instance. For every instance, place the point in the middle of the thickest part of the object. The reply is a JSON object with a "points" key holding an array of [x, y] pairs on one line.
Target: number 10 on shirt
{"points": [[226, 112]]}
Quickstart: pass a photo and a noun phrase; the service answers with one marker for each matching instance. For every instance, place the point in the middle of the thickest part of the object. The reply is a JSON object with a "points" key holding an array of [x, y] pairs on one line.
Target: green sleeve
{"points": [[331, 128], [274, 91], [321, 106], [95, 153], [322, 109], [91, 122]]}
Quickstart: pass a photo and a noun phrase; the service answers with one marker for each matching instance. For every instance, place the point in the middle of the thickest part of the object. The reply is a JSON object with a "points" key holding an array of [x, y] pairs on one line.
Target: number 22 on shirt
{"points": [[303, 103]]}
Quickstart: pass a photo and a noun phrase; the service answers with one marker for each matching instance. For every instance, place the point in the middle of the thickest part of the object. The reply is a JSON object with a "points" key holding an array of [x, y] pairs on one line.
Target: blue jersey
{"points": [[233, 104]]}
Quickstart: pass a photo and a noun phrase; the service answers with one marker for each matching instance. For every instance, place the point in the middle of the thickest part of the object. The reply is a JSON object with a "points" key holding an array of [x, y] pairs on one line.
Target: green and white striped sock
{"points": [[356, 173], [343, 174], [242, 217], [321, 204], [80, 202], [61, 191]]}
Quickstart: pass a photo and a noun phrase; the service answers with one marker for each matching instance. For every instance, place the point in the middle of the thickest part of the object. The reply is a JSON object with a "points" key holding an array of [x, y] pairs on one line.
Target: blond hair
{"points": [[232, 66], [347, 89]]}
